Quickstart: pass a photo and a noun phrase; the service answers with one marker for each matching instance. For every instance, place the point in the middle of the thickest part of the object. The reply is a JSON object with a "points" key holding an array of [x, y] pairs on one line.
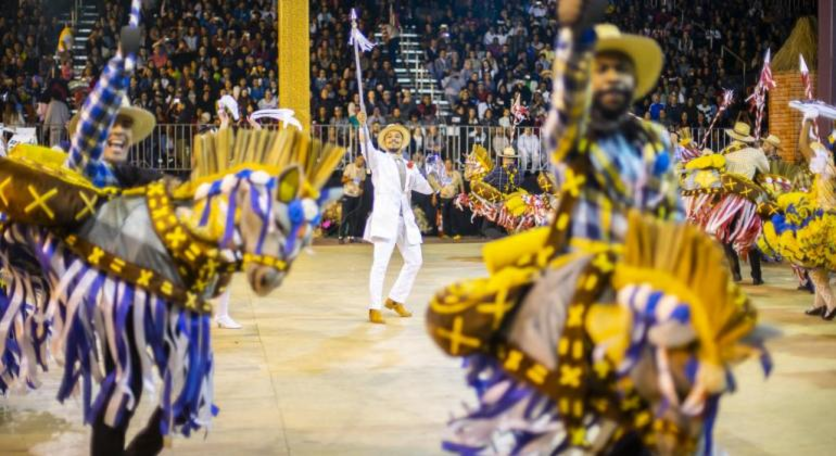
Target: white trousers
{"points": [[411, 264], [223, 303]]}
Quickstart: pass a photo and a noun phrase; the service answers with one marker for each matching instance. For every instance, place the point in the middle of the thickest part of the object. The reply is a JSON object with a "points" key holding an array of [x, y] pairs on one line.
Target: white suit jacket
{"points": [[391, 201]]}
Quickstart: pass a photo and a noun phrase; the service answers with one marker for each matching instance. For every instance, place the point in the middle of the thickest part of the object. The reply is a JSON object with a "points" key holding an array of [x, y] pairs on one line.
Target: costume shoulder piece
{"points": [[572, 365]]}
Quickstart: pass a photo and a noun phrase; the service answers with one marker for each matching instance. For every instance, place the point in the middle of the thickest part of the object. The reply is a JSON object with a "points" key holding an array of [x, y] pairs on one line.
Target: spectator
{"points": [[656, 108], [351, 225], [452, 185], [528, 145], [56, 118], [268, 102]]}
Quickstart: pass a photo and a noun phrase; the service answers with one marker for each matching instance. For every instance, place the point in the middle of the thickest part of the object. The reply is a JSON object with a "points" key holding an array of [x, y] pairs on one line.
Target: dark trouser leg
{"points": [[734, 262], [344, 224], [354, 218], [755, 263], [447, 217], [150, 440], [108, 441]]}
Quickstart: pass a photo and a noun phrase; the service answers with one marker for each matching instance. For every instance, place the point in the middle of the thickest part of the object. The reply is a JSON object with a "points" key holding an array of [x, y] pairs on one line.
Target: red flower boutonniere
{"points": [[410, 164]]}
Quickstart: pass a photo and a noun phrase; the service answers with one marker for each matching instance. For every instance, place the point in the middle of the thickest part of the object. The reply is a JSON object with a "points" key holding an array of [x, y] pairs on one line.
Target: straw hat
{"points": [[773, 140], [685, 138], [741, 132], [645, 53], [143, 121], [392, 130], [509, 152]]}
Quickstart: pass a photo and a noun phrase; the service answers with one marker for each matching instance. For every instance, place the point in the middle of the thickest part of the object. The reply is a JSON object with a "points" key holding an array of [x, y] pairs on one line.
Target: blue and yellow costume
{"points": [[556, 339]]}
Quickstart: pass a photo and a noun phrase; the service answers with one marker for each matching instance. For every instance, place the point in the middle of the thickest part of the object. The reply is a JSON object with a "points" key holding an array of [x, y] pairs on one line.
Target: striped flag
{"points": [[758, 97], [766, 80], [519, 111], [808, 89], [805, 77]]}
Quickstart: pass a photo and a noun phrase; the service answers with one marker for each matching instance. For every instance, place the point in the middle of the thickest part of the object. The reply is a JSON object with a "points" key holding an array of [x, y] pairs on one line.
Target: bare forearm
{"points": [[804, 140]]}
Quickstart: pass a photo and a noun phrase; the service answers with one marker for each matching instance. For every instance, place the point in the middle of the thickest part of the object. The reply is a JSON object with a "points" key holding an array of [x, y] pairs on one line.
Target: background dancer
{"points": [[392, 222]]}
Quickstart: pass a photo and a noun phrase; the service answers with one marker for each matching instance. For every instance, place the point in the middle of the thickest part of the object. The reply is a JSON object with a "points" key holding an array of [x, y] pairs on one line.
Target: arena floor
{"points": [[309, 375]]}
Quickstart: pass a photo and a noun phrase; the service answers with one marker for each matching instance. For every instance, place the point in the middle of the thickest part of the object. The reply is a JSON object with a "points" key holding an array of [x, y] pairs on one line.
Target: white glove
{"points": [[818, 163]]}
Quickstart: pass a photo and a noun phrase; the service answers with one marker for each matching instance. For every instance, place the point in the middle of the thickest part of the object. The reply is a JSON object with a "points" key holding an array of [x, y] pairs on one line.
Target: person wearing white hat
{"points": [[741, 136], [506, 178], [771, 146], [102, 135], [392, 222], [545, 284]]}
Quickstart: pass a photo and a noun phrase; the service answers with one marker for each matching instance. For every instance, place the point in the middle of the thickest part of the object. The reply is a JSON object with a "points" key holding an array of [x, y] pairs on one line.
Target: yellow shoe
{"points": [[457, 238], [376, 317], [399, 308]]}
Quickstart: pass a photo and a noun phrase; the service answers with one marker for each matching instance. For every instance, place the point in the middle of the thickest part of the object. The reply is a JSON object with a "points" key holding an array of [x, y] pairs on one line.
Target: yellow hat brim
{"points": [[143, 123], [646, 55], [735, 135]]}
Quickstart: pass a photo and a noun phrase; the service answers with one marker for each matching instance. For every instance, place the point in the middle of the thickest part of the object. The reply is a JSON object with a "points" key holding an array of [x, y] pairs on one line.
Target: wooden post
{"points": [[294, 59], [827, 51]]}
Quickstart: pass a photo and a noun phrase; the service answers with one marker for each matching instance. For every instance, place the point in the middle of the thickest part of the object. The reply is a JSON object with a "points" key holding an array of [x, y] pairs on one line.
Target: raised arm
{"points": [[804, 145], [571, 102], [572, 68], [370, 153], [95, 121]]}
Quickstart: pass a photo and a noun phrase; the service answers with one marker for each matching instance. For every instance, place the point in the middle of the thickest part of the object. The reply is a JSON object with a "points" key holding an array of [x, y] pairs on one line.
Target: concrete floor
{"points": [[309, 375]]}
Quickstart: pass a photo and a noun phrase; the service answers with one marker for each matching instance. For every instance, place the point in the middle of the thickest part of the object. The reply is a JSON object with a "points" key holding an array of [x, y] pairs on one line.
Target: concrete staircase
{"points": [[412, 72], [87, 14]]}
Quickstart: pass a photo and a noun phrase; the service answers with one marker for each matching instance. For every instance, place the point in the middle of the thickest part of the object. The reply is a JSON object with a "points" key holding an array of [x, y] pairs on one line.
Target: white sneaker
{"points": [[226, 322]]}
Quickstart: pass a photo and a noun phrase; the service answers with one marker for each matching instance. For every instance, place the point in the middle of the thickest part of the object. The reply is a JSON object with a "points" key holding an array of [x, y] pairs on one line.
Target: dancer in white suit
{"points": [[392, 222]]}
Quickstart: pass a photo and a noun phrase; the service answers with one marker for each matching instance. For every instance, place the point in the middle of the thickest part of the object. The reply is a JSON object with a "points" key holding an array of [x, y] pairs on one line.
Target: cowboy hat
{"points": [[773, 140], [645, 53], [509, 152], [143, 121], [394, 129], [741, 132]]}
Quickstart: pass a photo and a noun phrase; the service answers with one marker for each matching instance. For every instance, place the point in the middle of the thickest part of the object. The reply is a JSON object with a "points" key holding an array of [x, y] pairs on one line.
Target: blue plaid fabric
{"points": [[95, 121], [500, 178], [626, 172]]}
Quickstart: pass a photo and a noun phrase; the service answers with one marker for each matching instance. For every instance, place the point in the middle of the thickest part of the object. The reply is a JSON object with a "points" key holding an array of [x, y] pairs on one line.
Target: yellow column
{"points": [[294, 59]]}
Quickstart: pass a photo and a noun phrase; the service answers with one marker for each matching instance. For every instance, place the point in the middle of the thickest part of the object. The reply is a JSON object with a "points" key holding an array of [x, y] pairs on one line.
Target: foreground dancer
{"points": [[115, 283], [392, 222], [613, 330]]}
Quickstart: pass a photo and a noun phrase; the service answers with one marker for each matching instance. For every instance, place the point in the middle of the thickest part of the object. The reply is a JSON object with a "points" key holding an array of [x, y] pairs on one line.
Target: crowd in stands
{"points": [[28, 43], [192, 53], [484, 54]]}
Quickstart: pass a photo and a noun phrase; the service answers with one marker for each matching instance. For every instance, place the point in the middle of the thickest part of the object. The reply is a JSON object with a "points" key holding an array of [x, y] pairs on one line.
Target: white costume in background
{"points": [[392, 222], [529, 149]]}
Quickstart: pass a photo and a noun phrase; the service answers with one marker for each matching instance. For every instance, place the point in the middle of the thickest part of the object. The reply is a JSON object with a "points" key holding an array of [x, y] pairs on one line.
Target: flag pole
{"points": [[808, 90], [356, 42]]}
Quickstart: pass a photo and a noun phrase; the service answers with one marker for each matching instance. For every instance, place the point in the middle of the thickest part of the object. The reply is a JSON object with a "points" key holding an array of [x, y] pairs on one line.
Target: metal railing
{"points": [[169, 147]]}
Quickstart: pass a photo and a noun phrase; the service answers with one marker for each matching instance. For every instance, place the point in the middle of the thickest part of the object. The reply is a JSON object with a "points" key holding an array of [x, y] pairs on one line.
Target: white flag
{"points": [[363, 42]]}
